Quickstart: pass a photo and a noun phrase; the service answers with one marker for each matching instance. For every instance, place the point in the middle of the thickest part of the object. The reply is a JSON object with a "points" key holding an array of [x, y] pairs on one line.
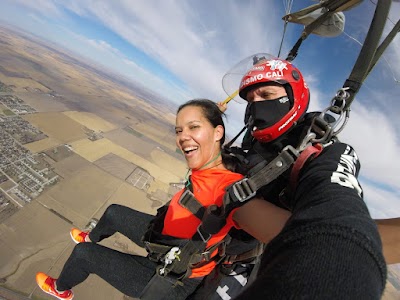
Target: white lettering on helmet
{"points": [[289, 120], [274, 74], [261, 76], [277, 64], [258, 68], [252, 79]]}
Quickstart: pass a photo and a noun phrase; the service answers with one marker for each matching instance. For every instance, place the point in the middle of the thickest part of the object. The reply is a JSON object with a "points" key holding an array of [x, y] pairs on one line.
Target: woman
{"points": [[200, 134]]}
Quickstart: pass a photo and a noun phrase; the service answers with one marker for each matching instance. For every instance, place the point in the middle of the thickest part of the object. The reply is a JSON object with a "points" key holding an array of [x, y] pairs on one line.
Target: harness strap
{"points": [[311, 151], [211, 219], [193, 252], [253, 253], [189, 201], [159, 287], [246, 188]]}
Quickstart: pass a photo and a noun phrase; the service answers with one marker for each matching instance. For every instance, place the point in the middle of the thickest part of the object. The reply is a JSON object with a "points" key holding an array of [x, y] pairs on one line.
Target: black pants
{"points": [[126, 272]]}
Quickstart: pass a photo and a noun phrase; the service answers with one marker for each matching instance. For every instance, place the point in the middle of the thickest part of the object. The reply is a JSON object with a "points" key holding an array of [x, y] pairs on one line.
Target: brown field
{"points": [[167, 162], [90, 120], [132, 143], [27, 249], [22, 84], [42, 145], [71, 166], [42, 102], [58, 153], [92, 151], [77, 198], [57, 126], [158, 134], [115, 165]]}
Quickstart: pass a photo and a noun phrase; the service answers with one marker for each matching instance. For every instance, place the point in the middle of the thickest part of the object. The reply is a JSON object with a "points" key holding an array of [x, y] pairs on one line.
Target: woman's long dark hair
{"points": [[214, 115]]}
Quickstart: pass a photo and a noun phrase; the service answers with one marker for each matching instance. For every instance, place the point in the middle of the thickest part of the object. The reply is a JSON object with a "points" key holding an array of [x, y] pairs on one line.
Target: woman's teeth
{"points": [[189, 149]]}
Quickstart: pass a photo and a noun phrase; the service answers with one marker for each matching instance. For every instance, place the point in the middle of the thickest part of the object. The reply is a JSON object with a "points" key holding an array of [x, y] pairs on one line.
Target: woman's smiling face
{"points": [[196, 137]]}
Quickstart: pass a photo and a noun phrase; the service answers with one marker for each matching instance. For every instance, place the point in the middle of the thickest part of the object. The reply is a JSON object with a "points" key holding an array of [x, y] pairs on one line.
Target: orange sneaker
{"points": [[78, 236], [46, 283]]}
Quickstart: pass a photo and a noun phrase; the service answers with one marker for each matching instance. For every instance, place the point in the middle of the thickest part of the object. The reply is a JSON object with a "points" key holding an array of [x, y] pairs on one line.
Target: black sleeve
{"points": [[330, 248]]}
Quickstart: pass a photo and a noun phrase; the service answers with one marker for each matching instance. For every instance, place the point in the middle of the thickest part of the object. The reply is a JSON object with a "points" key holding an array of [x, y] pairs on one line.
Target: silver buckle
{"points": [[242, 190], [205, 240]]}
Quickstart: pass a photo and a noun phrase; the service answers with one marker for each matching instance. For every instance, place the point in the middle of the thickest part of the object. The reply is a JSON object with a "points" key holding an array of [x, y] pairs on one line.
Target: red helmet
{"points": [[277, 70]]}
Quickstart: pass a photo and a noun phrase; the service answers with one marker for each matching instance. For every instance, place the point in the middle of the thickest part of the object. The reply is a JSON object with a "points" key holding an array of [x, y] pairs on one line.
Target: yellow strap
{"points": [[233, 95]]}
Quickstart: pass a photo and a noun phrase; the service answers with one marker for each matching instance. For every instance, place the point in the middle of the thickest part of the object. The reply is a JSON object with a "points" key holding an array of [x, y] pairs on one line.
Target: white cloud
{"points": [[377, 145], [36, 18], [374, 138], [381, 203], [44, 7], [103, 46], [183, 40]]}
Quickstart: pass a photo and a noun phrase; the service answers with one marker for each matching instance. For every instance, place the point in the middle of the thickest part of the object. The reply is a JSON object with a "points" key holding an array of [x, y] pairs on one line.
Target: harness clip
{"points": [[169, 258], [205, 240], [243, 190]]}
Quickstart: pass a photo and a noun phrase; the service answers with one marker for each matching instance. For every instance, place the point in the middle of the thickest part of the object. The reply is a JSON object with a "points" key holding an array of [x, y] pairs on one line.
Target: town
{"points": [[23, 175]]}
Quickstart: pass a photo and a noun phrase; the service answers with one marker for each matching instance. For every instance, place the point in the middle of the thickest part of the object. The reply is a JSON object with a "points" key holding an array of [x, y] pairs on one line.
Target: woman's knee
{"points": [[114, 210], [84, 250]]}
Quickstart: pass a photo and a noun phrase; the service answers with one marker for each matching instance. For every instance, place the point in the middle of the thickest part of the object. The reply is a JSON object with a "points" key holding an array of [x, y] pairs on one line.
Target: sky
{"points": [[182, 50]]}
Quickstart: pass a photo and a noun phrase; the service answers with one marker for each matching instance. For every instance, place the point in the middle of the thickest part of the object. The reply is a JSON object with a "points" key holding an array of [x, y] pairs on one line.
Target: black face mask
{"points": [[268, 112]]}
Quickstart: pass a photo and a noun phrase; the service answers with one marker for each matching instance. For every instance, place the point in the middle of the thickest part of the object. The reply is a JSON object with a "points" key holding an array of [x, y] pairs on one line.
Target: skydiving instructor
{"points": [[330, 247]]}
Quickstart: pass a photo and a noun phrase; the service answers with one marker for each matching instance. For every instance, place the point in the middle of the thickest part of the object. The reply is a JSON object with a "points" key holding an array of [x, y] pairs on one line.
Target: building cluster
{"points": [[7, 208], [10, 149], [20, 130], [16, 105], [5, 88], [23, 175], [29, 176], [93, 135]]}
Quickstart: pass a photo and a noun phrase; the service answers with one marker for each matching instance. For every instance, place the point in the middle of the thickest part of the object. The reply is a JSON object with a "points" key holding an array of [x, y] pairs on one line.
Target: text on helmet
{"points": [[261, 76], [289, 120]]}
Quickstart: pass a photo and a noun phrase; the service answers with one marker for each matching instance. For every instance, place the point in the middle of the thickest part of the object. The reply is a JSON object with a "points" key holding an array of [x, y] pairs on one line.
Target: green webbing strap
{"points": [[382, 47], [365, 59]]}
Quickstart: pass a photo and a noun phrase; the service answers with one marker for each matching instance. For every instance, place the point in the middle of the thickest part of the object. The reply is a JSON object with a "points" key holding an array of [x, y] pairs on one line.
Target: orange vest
{"points": [[208, 188]]}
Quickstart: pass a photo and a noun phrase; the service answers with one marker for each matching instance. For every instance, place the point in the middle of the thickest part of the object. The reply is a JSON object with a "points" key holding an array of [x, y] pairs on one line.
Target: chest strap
{"points": [[261, 175], [308, 153], [189, 201]]}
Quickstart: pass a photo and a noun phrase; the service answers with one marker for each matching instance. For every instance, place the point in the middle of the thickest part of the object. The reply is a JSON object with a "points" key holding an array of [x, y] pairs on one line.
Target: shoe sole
{"points": [[75, 241], [55, 295], [51, 294]]}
